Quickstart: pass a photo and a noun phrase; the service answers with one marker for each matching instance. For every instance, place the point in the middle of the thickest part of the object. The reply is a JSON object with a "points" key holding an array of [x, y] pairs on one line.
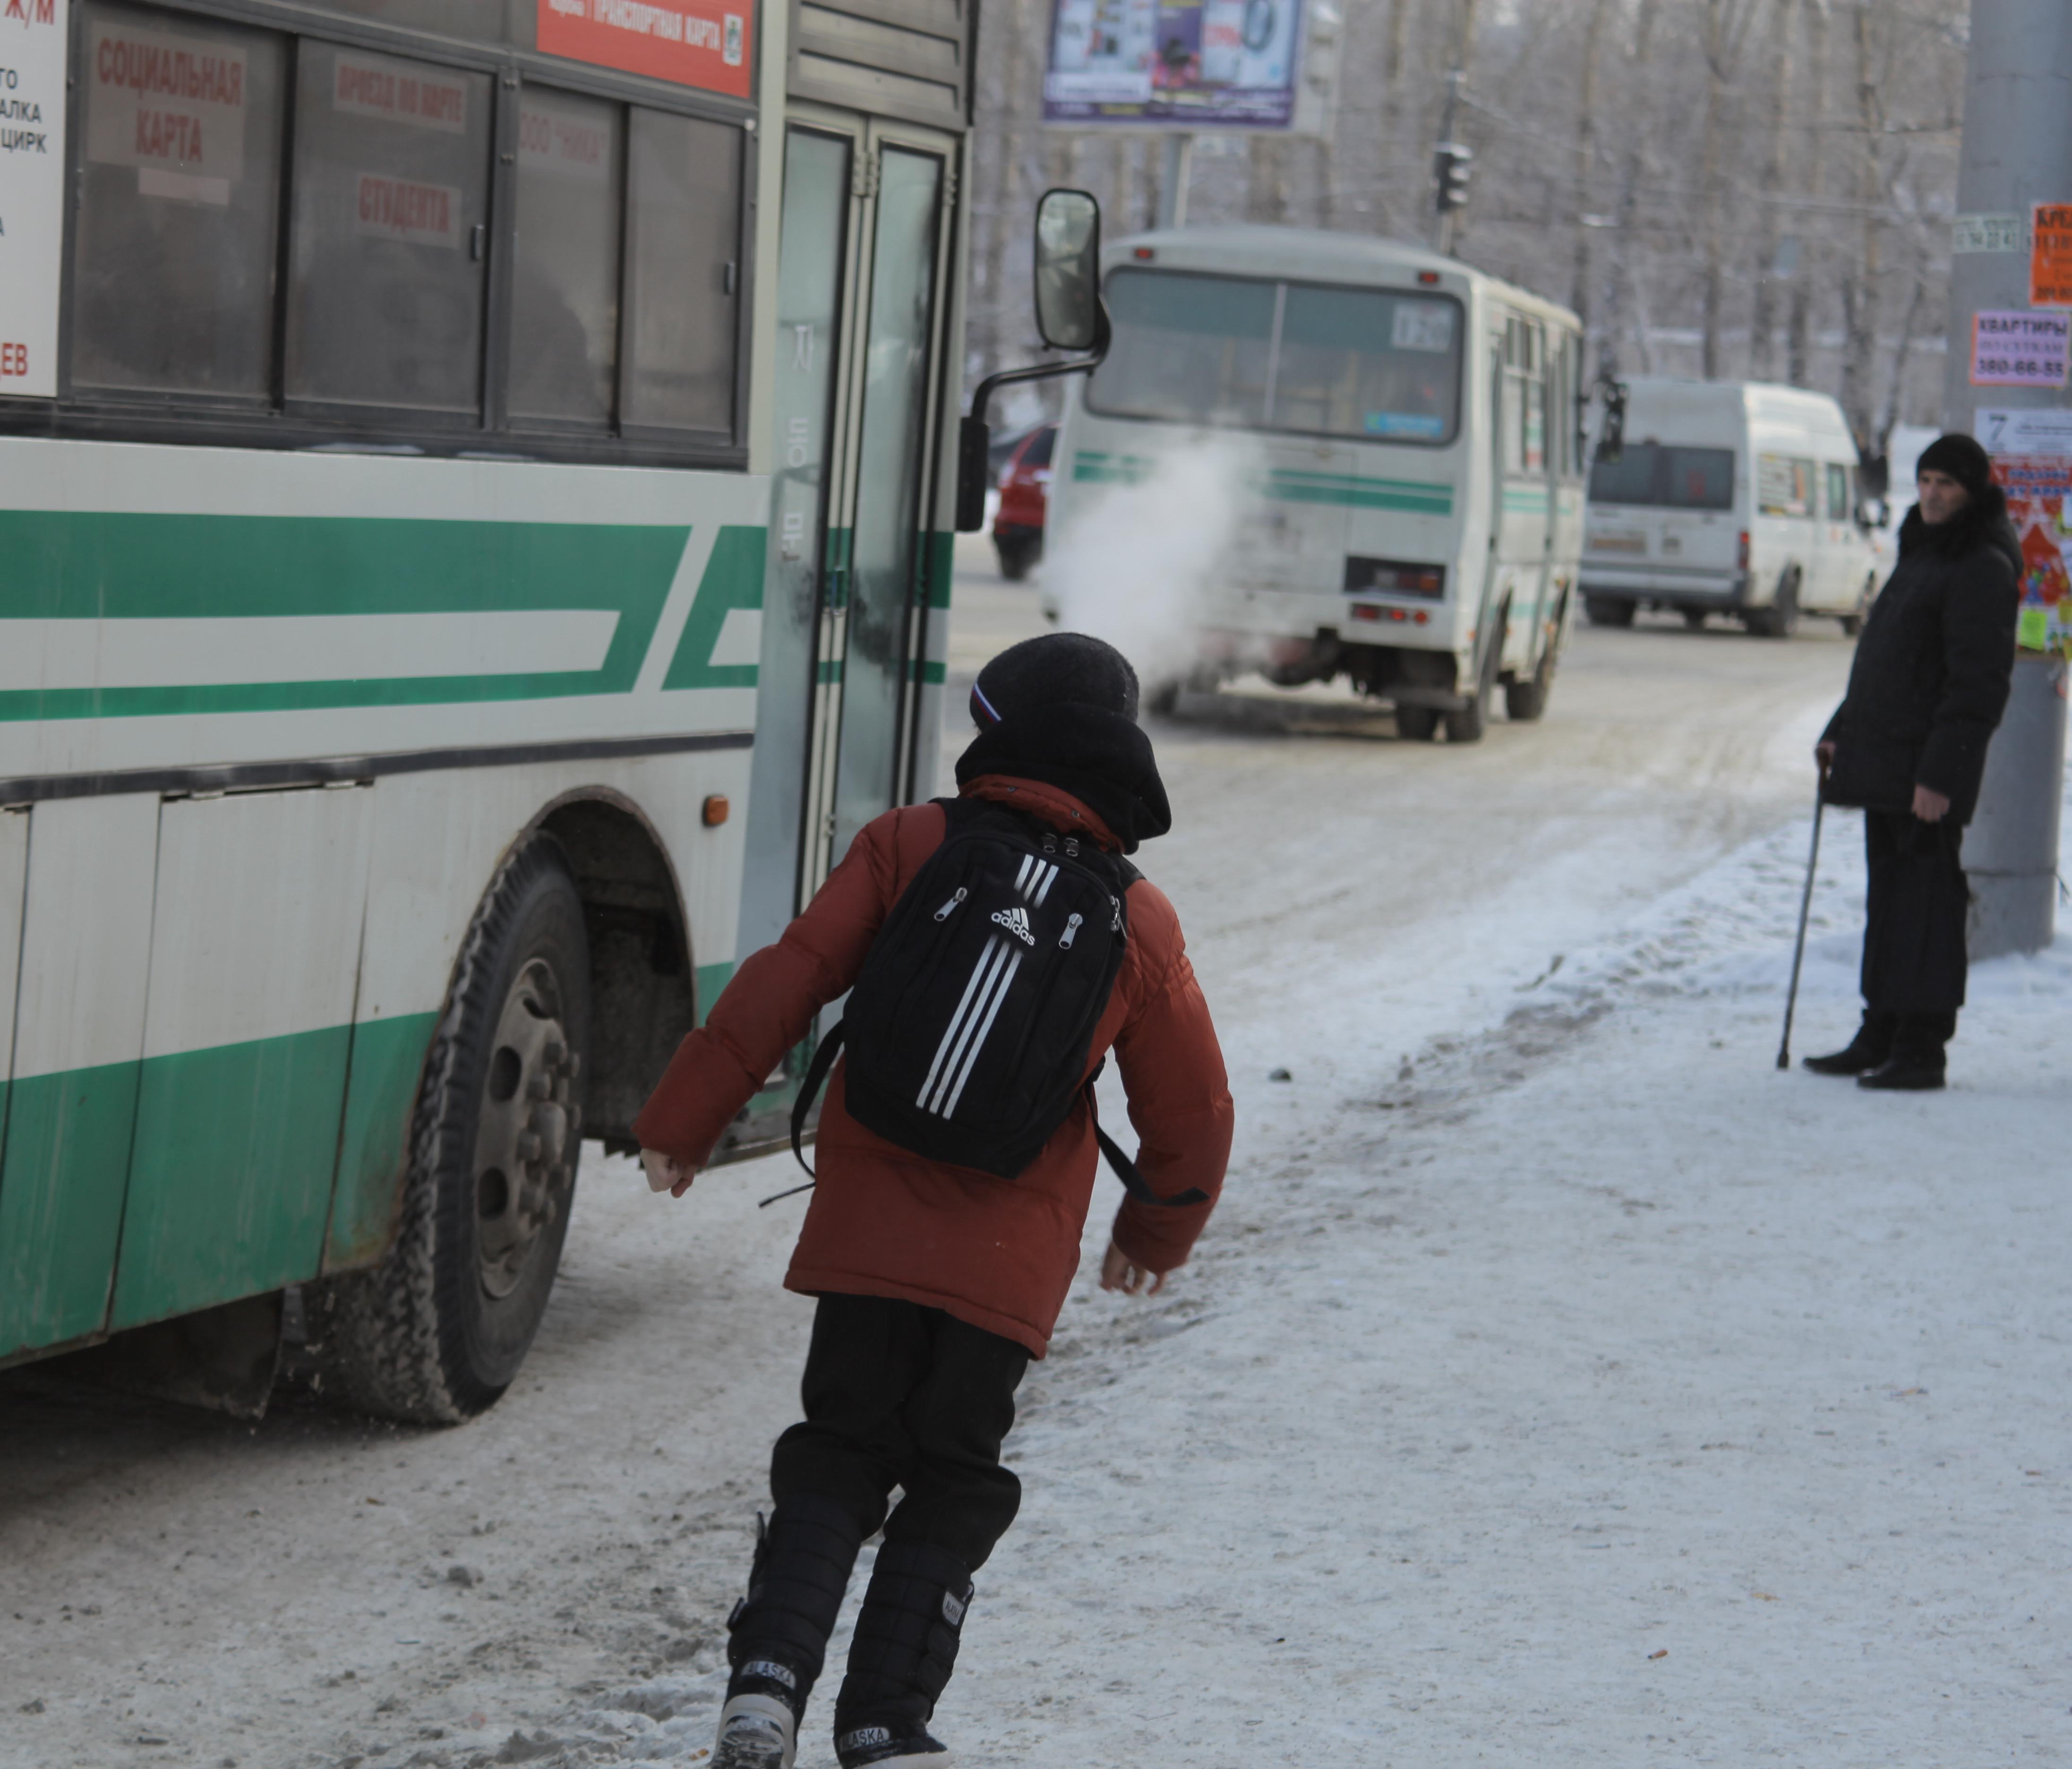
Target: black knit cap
{"points": [[1061, 709], [1050, 670], [1962, 459]]}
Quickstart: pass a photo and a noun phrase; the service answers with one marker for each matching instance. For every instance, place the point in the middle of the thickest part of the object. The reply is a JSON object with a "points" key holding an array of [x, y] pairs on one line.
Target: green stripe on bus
{"points": [[61, 1185], [1287, 485], [381, 1092], [733, 579], [1105, 469], [711, 981], [113, 566], [230, 1186], [1524, 500]]}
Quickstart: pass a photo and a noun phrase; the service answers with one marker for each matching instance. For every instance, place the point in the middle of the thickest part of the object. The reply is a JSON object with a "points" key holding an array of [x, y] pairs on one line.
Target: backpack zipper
{"points": [[1072, 932], [943, 914]]}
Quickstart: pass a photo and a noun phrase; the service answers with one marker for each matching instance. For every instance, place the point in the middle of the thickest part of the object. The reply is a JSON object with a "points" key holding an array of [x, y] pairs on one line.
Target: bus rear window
{"points": [[1299, 357], [1666, 477]]}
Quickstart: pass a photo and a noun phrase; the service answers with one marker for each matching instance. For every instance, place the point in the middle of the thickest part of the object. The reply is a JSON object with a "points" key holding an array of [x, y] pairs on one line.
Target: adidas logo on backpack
{"points": [[967, 1037]]}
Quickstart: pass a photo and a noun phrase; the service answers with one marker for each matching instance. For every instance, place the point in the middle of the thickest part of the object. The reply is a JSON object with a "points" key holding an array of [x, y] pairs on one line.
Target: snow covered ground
{"points": [[1558, 1383]]}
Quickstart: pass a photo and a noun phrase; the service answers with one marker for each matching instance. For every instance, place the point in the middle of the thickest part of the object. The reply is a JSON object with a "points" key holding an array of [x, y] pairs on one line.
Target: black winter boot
{"points": [[1871, 1046], [1916, 1064], [778, 1634], [904, 1646]]}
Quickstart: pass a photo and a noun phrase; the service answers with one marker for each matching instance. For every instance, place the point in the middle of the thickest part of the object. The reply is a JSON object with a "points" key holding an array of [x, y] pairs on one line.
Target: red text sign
{"points": [[692, 42]]}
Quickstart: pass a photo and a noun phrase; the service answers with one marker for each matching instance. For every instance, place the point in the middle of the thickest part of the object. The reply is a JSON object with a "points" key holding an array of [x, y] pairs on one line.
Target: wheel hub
{"points": [[526, 1138]]}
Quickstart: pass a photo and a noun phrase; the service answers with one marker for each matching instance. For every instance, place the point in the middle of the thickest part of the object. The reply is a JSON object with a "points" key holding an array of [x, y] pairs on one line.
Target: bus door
{"points": [[872, 599], [1526, 542], [860, 311]]}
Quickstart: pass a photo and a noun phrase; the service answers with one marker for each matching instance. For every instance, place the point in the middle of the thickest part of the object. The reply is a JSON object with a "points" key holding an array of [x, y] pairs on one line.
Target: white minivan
{"points": [[1734, 498]]}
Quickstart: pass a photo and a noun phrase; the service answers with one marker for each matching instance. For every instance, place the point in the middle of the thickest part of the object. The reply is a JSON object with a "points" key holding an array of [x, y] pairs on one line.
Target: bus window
{"points": [[1784, 485], [1840, 506], [565, 293], [173, 250], [1649, 475], [1355, 362], [390, 203], [1186, 348], [682, 264]]}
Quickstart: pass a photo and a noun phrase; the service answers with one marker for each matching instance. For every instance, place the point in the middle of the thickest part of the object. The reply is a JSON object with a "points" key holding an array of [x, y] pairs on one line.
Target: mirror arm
{"points": [[975, 437]]}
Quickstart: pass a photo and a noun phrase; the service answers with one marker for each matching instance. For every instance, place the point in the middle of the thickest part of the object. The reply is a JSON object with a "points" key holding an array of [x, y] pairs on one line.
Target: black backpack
{"points": [[969, 1025]]}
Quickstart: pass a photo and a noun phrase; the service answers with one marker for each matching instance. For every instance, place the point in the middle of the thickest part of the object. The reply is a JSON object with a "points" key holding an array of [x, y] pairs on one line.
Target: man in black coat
{"points": [[1908, 744]]}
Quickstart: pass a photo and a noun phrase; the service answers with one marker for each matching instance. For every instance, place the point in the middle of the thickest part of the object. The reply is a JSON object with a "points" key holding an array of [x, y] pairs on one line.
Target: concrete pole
{"points": [[1175, 168], [2017, 151]]}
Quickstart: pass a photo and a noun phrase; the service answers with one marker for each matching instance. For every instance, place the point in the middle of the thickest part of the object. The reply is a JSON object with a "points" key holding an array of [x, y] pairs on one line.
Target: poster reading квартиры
{"points": [[32, 137], [1183, 64]]}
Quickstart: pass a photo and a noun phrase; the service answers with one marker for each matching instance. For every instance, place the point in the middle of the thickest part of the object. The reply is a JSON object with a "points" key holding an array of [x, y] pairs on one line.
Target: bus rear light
{"points": [[1394, 578], [1420, 617], [1362, 611], [1429, 278], [1741, 552], [1143, 254]]}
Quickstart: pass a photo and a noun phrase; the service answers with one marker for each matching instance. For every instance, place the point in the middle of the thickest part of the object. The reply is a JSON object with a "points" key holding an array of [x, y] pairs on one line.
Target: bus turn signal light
{"points": [[716, 808], [1741, 554]]}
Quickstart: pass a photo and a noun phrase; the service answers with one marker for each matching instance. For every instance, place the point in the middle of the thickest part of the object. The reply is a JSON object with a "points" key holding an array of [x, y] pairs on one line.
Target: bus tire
{"points": [[1416, 724], [1608, 612], [1468, 725], [1780, 620], [436, 1332]]}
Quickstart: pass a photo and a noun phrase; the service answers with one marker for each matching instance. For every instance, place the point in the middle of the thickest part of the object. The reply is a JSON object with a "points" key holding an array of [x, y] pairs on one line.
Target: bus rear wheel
{"points": [[436, 1333], [1468, 725]]}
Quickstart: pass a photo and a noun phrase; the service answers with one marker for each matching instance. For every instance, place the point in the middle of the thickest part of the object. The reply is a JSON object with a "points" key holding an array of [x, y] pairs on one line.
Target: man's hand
{"points": [[665, 1173], [1119, 1273], [1824, 754], [1930, 805]]}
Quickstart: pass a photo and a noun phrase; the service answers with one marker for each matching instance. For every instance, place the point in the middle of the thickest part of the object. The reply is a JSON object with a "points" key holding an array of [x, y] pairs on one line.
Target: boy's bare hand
{"points": [[1119, 1273], [665, 1173]]}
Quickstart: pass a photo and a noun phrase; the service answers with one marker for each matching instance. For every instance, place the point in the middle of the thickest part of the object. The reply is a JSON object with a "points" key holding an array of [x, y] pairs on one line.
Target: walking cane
{"points": [[1805, 905]]}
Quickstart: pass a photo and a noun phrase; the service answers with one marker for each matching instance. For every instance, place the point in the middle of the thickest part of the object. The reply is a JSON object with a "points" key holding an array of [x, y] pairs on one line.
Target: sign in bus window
{"points": [[682, 272], [1784, 485], [390, 204], [565, 289], [174, 252]]}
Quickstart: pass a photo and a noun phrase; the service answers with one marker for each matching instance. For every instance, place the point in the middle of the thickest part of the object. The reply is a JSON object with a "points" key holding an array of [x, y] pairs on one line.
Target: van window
{"points": [[1839, 502], [1298, 357], [1784, 486], [1656, 475]]}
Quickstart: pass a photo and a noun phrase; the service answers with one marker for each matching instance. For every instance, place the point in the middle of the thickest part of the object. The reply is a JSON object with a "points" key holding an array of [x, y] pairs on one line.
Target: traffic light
{"points": [[1451, 164]]}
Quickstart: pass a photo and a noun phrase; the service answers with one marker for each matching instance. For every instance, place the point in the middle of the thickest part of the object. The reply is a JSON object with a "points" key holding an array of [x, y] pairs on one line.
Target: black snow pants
{"points": [[897, 1395], [1917, 905]]}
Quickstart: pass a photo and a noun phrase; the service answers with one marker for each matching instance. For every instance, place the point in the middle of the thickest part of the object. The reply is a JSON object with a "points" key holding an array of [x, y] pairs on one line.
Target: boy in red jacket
{"points": [[937, 1284]]}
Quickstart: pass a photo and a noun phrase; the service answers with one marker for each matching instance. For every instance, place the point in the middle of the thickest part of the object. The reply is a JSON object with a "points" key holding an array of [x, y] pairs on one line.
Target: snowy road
{"points": [[1558, 1384]]}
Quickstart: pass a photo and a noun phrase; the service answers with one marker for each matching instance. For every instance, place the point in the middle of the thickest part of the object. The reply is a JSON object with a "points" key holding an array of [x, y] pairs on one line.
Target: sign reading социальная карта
{"points": [[32, 145]]}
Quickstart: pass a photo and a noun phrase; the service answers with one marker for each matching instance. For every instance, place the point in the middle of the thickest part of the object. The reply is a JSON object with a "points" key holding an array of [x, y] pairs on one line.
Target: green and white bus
{"points": [[475, 520], [1413, 513]]}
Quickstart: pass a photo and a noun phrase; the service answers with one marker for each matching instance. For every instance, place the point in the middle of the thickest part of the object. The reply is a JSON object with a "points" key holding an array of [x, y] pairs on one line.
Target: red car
{"points": [[1025, 500]]}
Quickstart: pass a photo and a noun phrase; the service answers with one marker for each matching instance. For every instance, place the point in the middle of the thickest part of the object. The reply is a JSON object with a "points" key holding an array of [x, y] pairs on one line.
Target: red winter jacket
{"points": [[997, 1253]]}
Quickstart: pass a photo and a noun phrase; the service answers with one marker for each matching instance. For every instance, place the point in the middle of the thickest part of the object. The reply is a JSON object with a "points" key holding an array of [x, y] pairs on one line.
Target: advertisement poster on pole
{"points": [[2050, 255], [2039, 495], [1178, 65], [2019, 349], [32, 183]]}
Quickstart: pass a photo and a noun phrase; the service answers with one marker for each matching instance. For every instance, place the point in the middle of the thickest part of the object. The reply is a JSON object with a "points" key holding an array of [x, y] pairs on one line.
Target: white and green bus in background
{"points": [[1413, 515], [473, 545]]}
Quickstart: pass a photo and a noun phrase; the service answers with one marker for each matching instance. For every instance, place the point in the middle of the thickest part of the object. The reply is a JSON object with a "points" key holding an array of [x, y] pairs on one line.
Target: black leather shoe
{"points": [[1905, 1075]]}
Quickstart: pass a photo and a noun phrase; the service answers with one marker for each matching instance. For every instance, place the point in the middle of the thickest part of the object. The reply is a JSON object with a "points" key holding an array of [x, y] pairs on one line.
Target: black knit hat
{"points": [[1061, 709], [1962, 459], [1051, 670]]}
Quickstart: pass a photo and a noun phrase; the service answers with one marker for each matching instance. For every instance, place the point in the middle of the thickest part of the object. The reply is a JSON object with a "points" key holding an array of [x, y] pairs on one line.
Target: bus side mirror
{"points": [[1611, 441], [1068, 269], [1069, 316]]}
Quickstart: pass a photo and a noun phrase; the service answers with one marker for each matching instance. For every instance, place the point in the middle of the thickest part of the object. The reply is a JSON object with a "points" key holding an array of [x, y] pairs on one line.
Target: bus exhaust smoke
{"points": [[1133, 567]]}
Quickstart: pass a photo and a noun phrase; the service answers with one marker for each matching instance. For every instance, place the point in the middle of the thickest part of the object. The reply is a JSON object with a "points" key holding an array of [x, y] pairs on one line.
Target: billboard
{"points": [[1180, 64]]}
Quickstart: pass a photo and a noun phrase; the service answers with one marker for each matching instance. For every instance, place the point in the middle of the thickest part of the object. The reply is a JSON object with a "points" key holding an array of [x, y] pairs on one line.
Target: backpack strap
{"points": [[1125, 1170], [809, 1090]]}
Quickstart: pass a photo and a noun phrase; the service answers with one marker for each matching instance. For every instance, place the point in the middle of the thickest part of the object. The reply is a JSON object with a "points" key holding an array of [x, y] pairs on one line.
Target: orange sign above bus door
{"points": [[705, 43]]}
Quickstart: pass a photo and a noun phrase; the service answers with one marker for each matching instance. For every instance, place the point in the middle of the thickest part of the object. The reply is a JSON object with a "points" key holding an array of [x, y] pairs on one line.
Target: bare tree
{"points": [[1762, 320]]}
